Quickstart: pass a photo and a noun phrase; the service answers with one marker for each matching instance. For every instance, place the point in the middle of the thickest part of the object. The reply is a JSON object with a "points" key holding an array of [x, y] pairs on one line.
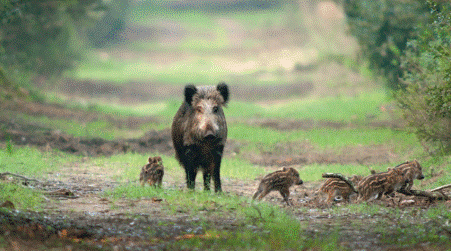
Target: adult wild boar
{"points": [[199, 133]]}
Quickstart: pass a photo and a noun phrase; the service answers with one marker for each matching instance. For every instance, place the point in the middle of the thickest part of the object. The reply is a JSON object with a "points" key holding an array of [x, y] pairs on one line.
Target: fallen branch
{"points": [[64, 193], [341, 177], [18, 176], [428, 194], [440, 188]]}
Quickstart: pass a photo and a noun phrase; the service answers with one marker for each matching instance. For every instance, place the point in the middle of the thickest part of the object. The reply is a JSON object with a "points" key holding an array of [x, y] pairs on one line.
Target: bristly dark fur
{"points": [[375, 185], [199, 133], [281, 181], [337, 189], [411, 170], [153, 172]]}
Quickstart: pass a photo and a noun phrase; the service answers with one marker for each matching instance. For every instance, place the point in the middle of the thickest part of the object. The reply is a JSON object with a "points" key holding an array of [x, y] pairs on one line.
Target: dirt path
{"points": [[84, 215]]}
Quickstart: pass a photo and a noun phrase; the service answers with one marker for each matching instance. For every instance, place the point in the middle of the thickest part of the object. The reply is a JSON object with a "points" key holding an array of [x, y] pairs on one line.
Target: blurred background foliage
{"points": [[408, 42], [383, 29], [46, 38], [43, 37], [425, 101]]}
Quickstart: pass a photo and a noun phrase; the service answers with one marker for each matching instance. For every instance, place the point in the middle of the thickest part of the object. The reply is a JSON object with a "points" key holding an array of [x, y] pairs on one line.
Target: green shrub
{"points": [[382, 29], [426, 101], [42, 37]]}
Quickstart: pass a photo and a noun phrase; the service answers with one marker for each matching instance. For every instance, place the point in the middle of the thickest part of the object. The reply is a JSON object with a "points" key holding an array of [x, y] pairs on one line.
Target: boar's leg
{"points": [[257, 193], [190, 165], [207, 179], [261, 193], [216, 169], [190, 177], [217, 179], [285, 194]]}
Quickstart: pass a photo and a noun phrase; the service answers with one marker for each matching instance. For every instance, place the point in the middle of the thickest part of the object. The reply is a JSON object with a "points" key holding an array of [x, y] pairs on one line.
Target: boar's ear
{"points": [[190, 90], [224, 90]]}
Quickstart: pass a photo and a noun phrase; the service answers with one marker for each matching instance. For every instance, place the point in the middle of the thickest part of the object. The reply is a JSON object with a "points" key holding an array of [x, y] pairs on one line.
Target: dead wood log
{"points": [[18, 176], [440, 188], [428, 194], [341, 177], [62, 193]]}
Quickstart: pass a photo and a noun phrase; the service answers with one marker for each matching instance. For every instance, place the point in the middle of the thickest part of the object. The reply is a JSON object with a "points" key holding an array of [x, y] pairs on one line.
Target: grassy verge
{"points": [[23, 198], [341, 109], [31, 163], [323, 137]]}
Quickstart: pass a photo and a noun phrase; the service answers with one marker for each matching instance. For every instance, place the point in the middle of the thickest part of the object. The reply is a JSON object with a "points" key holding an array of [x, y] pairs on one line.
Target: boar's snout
{"points": [[421, 177], [210, 135], [210, 132], [300, 182]]}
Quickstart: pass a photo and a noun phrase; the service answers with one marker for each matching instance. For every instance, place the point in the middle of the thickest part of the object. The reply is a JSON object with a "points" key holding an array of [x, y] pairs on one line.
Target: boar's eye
{"points": [[199, 109], [215, 109]]}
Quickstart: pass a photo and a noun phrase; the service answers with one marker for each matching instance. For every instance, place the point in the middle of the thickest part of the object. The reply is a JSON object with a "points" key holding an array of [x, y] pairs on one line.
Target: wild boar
{"points": [[338, 190], [199, 133], [375, 185], [281, 181], [152, 173], [411, 170]]}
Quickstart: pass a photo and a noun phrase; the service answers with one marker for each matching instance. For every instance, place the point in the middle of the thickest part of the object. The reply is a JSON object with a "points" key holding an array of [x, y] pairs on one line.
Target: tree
{"points": [[106, 31], [426, 100], [43, 36], [383, 29]]}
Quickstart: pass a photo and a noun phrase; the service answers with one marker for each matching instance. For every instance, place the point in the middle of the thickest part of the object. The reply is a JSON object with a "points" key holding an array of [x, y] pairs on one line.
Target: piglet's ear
{"points": [[190, 90], [224, 91]]}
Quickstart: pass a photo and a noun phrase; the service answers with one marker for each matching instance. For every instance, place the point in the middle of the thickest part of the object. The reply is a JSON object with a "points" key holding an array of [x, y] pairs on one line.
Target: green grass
{"points": [[32, 162], [196, 70], [100, 128], [235, 168], [340, 109], [437, 168], [323, 137], [313, 172], [430, 227], [127, 167], [276, 230], [261, 226], [23, 198], [343, 109], [95, 129]]}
